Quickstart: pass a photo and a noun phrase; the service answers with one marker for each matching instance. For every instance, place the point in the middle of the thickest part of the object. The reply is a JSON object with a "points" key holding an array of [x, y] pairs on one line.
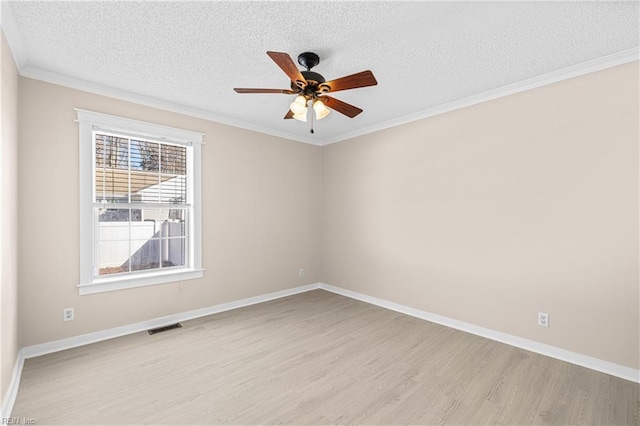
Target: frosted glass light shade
{"points": [[299, 105], [302, 116], [321, 109]]}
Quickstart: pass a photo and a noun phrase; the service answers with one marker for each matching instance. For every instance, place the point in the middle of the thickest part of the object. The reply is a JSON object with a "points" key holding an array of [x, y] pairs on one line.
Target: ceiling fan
{"points": [[312, 87]]}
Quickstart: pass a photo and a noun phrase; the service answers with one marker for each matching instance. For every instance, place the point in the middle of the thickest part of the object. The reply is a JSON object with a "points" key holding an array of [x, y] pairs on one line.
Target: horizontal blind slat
{"points": [[172, 141], [145, 206], [135, 170]]}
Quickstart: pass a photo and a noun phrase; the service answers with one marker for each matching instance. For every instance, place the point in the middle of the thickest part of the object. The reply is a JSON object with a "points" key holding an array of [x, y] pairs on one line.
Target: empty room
{"points": [[320, 212]]}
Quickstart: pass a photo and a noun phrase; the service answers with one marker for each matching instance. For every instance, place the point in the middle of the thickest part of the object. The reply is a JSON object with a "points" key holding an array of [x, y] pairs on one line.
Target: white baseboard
{"points": [[607, 367], [85, 339], [530, 345], [12, 391]]}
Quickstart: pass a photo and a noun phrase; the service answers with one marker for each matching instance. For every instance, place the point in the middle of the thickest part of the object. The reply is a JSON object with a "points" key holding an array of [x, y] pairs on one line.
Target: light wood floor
{"points": [[316, 358]]}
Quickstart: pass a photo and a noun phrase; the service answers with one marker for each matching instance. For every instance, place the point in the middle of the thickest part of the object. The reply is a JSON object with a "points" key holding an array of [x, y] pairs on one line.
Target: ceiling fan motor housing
{"points": [[314, 76], [314, 80]]}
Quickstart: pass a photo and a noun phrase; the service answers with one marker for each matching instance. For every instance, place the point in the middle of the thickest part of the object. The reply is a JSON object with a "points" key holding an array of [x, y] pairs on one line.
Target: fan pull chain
{"points": [[311, 131]]}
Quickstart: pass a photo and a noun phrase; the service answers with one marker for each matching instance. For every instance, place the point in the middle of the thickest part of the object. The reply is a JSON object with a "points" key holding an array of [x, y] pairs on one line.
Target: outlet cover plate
{"points": [[543, 319], [67, 314]]}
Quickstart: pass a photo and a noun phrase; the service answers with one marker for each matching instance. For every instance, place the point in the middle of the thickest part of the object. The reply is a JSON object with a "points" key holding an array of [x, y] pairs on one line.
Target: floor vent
{"points": [[165, 328]]}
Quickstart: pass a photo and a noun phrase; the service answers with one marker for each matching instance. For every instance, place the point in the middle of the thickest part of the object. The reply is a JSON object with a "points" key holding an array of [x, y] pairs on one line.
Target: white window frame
{"points": [[88, 122]]}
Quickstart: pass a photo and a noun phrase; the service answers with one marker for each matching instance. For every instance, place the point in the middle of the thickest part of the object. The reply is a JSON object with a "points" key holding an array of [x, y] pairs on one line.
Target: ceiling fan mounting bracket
{"points": [[308, 60]]}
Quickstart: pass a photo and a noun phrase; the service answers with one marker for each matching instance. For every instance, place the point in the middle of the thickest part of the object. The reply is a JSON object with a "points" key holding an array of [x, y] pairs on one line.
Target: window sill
{"points": [[101, 285]]}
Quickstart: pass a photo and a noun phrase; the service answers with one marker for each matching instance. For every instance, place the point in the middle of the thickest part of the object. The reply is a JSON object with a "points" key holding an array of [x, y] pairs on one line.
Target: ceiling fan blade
{"points": [[284, 61], [288, 115], [353, 81], [248, 90], [340, 106]]}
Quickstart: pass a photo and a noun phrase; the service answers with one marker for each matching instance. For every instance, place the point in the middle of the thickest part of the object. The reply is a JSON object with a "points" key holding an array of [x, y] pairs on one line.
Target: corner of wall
{"points": [[9, 286]]}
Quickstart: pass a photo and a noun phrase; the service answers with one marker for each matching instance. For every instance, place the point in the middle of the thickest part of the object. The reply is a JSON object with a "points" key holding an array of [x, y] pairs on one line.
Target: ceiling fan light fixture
{"points": [[321, 109], [299, 105], [310, 86], [302, 116]]}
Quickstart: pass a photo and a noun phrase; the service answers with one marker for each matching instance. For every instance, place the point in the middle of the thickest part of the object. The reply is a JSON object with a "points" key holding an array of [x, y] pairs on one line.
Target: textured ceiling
{"points": [[423, 54]]}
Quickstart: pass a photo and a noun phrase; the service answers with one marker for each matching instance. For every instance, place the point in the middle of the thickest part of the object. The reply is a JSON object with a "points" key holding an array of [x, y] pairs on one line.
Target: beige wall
{"points": [[9, 326], [260, 217], [492, 213], [487, 214]]}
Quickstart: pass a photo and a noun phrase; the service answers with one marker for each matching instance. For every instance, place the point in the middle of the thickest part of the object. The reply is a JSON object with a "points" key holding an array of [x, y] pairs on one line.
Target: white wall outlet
{"points": [[301, 272], [543, 319], [68, 314]]}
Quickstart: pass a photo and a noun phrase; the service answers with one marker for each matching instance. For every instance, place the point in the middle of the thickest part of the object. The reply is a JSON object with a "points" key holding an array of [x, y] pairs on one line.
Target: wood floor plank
{"points": [[316, 358]]}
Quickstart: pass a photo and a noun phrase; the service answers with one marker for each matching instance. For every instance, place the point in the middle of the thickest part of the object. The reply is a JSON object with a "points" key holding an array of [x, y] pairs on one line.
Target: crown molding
{"points": [[602, 63], [605, 62], [13, 35], [99, 89]]}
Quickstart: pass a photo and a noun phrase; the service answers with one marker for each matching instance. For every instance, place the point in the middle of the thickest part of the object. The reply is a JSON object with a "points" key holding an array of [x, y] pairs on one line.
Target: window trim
{"points": [[88, 122]]}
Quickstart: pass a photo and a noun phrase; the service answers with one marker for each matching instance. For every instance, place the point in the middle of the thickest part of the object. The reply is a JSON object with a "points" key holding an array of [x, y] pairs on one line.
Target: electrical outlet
{"points": [[68, 314], [543, 319], [301, 272]]}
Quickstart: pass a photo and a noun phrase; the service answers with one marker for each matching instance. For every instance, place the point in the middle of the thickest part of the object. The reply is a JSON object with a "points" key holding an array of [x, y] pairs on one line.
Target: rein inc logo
{"points": [[18, 421]]}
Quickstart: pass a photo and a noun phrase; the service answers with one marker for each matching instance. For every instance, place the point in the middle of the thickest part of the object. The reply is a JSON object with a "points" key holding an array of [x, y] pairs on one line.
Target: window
{"points": [[139, 203]]}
